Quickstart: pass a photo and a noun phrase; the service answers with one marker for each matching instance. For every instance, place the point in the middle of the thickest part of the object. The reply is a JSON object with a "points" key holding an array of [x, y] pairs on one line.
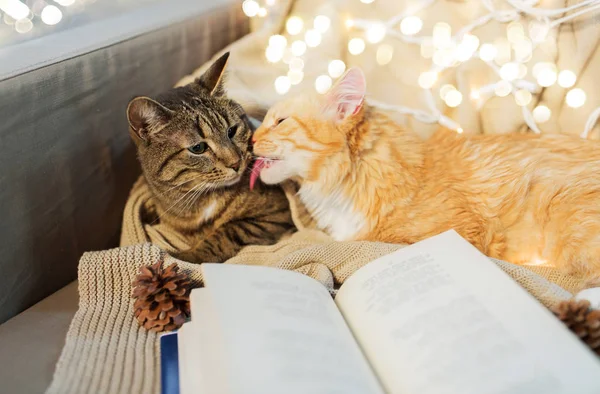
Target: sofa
{"points": [[68, 163]]}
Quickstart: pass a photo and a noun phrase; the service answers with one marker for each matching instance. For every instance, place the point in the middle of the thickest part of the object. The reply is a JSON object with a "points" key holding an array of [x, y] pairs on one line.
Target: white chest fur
{"points": [[334, 213], [207, 213]]}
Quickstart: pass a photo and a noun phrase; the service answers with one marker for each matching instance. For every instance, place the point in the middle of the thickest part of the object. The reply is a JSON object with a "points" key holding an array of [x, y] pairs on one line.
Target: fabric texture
{"points": [[107, 352]]}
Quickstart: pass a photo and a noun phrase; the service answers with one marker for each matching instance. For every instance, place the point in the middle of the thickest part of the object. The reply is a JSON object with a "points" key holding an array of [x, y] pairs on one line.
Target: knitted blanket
{"points": [[107, 352]]}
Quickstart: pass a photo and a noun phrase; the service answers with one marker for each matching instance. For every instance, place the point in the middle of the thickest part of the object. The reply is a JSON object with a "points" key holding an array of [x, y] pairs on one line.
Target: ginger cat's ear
{"points": [[346, 97]]}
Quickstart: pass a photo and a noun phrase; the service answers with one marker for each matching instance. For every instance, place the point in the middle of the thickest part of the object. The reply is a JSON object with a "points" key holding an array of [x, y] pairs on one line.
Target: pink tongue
{"points": [[259, 164]]}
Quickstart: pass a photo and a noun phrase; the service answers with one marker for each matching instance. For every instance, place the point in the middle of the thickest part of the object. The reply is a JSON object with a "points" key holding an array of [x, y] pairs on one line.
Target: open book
{"points": [[435, 317]]}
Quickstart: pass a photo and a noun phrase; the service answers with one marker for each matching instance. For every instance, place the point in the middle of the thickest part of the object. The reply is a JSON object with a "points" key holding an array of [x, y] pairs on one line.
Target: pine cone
{"points": [[162, 301], [582, 321]]}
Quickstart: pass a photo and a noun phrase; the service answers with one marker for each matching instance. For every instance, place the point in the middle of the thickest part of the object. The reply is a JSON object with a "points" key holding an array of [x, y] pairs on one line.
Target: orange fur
{"points": [[520, 198]]}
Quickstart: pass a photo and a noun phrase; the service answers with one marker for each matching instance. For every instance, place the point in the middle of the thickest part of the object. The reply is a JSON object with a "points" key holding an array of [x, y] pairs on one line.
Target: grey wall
{"points": [[66, 162]]}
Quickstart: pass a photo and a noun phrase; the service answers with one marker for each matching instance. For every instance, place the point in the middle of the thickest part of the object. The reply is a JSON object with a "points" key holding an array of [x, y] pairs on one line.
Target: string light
{"points": [[294, 25], [15, 9], [323, 83], [356, 46], [411, 25], [262, 12], [336, 68], [445, 89], [523, 97], [321, 23], [23, 26], [65, 3], [488, 52], [312, 38], [575, 98], [367, 1], [541, 114], [506, 56], [278, 41], [298, 48], [384, 55], [51, 15], [295, 76], [566, 78], [427, 79], [453, 98], [282, 84], [250, 8], [375, 33], [503, 88]]}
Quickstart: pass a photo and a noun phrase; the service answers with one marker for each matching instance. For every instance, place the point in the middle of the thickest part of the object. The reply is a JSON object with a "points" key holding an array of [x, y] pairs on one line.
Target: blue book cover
{"points": [[169, 364]]}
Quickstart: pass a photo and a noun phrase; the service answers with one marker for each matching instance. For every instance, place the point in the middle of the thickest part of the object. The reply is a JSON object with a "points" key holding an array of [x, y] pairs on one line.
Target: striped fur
{"points": [[522, 198], [205, 196]]}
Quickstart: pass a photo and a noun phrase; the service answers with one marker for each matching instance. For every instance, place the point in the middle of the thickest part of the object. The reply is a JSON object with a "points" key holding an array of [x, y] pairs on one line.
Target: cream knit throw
{"points": [[106, 351]]}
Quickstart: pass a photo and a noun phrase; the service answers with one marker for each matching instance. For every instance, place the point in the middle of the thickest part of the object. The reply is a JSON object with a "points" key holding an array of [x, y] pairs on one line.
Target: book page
{"points": [[440, 317], [282, 333]]}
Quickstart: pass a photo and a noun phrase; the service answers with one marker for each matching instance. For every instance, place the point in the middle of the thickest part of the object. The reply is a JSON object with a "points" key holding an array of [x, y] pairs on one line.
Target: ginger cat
{"points": [[520, 198]]}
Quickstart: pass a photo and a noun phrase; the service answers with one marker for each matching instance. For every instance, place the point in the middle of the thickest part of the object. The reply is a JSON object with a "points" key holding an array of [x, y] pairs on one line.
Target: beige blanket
{"points": [[106, 351]]}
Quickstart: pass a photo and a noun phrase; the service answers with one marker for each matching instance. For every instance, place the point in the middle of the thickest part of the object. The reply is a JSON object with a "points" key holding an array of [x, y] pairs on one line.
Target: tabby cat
{"points": [[193, 146], [522, 198]]}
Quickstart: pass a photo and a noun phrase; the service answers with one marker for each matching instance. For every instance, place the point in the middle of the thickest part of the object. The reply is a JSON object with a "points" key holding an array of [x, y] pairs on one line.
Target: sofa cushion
{"points": [[31, 342]]}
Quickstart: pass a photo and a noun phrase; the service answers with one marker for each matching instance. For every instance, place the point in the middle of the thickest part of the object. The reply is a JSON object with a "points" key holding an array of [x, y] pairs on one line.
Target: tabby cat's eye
{"points": [[278, 121], [231, 131], [198, 148]]}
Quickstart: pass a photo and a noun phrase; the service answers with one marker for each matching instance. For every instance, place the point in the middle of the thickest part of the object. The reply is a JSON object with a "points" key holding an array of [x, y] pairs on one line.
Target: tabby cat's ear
{"points": [[147, 117], [346, 97], [214, 78]]}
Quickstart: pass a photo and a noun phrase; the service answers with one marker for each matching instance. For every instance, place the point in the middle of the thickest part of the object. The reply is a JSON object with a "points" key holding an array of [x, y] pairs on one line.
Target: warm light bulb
{"points": [[453, 98], [296, 64], [298, 48], [445, 89], [487, 52], [541, 114], [273, 54], [23, 26], [566, 78], [503, 88], [278, 41], [367, 1], [522, 97], [250, 8], [442, 33], [262, 12], [459, 130], [15, 9], [475, 95], [538, 31], [467, 47], [515, 32], [336, 68], [349, 23], [443, 57], [546, 77], [509, 71], [540, 66], [322, 23], [312, 38], [575, 98], [270, 3], [427, 79], [323, 83], [51, 15], [504, 51], [375, 33], [411, 25], [384, 55], [356, 46], [294, 25], [282, 84], [295, 76], [523, 50]]}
